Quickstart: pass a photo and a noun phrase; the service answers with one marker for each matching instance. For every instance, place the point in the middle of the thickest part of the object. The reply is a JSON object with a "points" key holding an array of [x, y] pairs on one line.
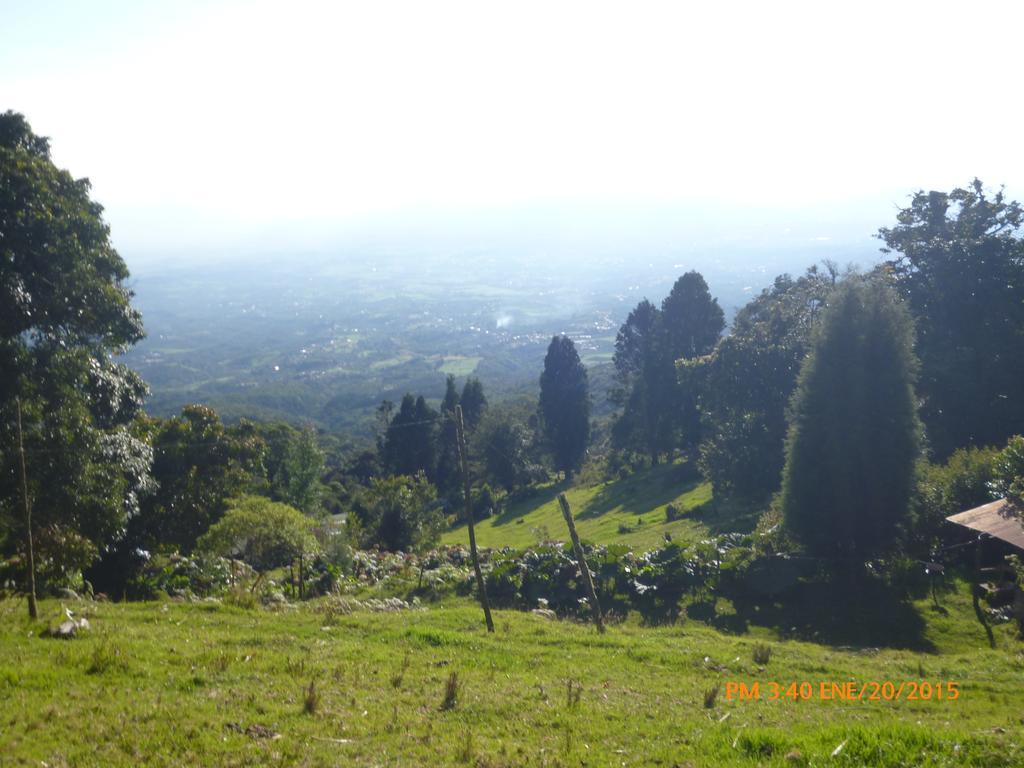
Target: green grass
{"points": [[459, 366], [205, 684], [637, 504]]}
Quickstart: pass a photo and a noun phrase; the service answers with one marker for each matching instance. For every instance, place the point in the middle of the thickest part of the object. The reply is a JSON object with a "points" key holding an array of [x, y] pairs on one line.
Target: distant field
{"points": [[204, 684], [636, 504], [459, 366]]}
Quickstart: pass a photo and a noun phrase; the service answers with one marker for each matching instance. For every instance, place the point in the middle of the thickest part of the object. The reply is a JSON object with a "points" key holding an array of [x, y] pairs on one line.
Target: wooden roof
{"points": [[998, 518]]}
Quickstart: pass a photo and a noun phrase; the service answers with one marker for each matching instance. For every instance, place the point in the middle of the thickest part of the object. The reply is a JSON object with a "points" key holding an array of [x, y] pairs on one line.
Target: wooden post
{"points": [[32, 609], [460, 432], [584, 568]]}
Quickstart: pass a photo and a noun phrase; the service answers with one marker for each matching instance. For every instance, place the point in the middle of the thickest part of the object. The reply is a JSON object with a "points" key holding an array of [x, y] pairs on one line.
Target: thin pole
{"points": [[32, 610], [584, 568], [460, 431]]}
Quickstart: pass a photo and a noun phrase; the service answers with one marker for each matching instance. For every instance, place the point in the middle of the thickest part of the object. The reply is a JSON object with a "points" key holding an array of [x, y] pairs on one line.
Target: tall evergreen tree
{"points": [[693, 320], [854, 435], [448, 480], [646, 381], [410, 439], [473, 402], [565, 405], [693, 324]]}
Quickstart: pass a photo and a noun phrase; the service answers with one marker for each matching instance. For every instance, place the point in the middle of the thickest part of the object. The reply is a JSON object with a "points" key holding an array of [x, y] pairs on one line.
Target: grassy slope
{"points": [[599, 510], [173, 684]]}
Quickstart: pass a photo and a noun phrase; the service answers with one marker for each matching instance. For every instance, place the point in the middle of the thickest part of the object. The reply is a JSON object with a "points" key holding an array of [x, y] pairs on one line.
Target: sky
{"points": [[233, 125]]}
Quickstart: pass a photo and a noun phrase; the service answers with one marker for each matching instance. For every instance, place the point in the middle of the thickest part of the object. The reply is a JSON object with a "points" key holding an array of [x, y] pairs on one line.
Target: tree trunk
{"points": [[33, 610]]}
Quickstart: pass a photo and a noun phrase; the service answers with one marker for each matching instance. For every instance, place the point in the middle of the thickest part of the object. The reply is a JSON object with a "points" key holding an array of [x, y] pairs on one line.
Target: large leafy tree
{"points": [[854, 435], [402, 513], [65, 316], [746, 382], [958, 259], [565, 405], [504, 443], [199, 465]]}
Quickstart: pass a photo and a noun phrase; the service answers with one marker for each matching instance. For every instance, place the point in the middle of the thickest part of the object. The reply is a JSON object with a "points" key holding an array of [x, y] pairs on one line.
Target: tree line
{"points": [[832, 401]]}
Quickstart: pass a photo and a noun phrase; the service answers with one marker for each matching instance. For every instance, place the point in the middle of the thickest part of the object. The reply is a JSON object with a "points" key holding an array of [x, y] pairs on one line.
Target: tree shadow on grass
{"points": [[642, 492], [871, 615], [721, 518], [525, 503]]}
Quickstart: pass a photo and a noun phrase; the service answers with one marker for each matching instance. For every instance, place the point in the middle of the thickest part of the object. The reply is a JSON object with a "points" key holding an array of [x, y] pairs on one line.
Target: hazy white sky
{"points": [[228, 122]]}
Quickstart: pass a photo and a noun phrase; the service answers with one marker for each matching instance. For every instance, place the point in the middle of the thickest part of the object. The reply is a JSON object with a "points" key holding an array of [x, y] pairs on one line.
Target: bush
{"points": [[962, 483]]}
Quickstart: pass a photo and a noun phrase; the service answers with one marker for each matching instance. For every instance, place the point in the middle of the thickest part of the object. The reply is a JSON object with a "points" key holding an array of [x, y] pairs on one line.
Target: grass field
{"points": [[177, 684], [630, 511]]}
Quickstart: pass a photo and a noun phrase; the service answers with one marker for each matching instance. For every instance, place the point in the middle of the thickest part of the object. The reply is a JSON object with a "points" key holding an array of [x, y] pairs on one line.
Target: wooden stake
{"points": [[584, 568], [460, 431], [32, 610]]}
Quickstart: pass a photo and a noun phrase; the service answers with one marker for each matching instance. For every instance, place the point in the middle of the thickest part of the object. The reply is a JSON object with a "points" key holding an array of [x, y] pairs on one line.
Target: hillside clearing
{"points": [[629, 511]]}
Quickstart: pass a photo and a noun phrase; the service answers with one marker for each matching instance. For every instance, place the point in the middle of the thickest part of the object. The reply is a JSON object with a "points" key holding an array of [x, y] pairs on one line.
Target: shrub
{"points": [[762, 654], [962, 483], [451, 692]]}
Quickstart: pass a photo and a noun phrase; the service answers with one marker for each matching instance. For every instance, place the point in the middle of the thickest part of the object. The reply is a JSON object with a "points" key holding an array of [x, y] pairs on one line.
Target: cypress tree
{"points": [[565, 405], [854, 434]]}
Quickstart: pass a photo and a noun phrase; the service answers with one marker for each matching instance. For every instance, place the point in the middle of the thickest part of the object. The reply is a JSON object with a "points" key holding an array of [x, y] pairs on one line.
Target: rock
{"points": [[544, 613], [68, 594]]}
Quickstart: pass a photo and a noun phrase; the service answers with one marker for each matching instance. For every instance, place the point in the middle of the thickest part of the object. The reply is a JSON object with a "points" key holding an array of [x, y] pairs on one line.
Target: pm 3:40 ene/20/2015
{"points": [[830, 690]]}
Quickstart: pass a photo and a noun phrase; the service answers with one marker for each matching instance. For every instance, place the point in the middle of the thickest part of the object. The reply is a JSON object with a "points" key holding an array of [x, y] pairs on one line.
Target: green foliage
{"points": [[261, 533], [65, 316], [473, 402], [1008, 471], [449, 475], [401, 513], [565, 405], [199, 465], [854, 435], [959, 262], [485, 504], [198, 574], [961, 483], [299, 478], [410, 440], [505, 443], [61, 554], [646, 384], [746, 383], [660, 410]]}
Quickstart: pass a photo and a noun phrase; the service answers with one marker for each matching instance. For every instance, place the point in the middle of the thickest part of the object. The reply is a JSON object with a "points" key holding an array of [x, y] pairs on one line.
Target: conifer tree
{"points": [[854, 435], [565, 405]]}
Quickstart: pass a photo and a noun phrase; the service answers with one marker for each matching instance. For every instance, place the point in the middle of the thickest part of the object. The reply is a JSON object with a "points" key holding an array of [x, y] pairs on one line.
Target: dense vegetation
{"points": [[804, 460]]}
